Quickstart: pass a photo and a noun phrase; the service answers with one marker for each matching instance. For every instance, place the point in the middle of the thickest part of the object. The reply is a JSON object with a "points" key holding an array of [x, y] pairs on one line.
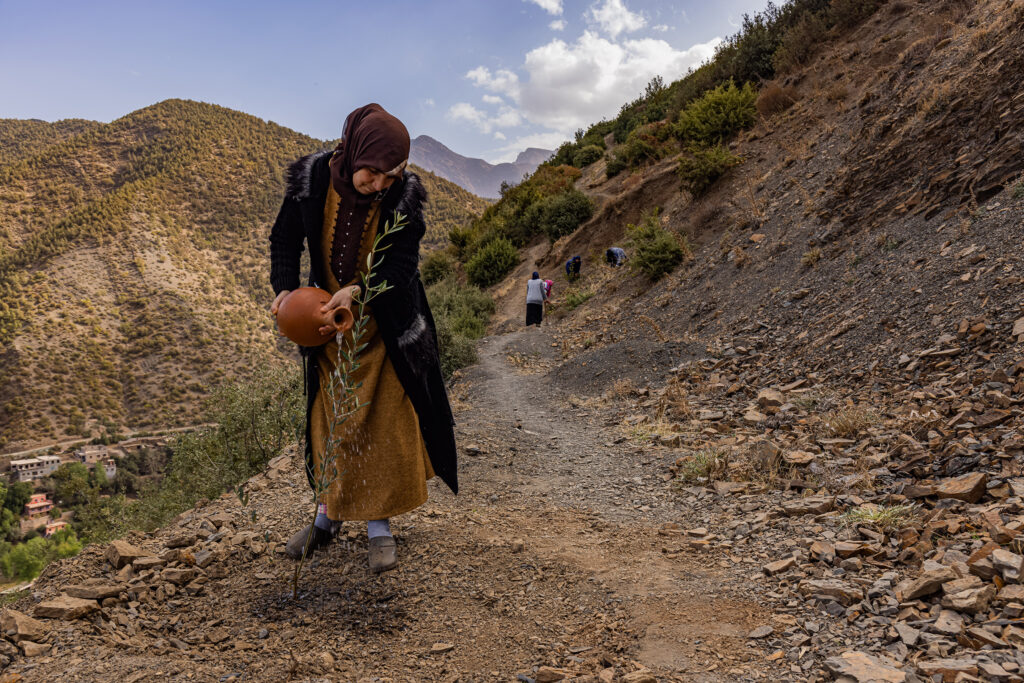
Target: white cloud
{"points": [[549, 6], [507, 117], [502, 81], [573, 85], [429, 102], [565, 85], [557, 25], [510, 151], [660, 27], [615, 18]]}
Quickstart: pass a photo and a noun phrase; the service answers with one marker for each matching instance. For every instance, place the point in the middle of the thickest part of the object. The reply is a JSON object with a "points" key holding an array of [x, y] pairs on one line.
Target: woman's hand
{"points": [[277, 301], [341, 299]]}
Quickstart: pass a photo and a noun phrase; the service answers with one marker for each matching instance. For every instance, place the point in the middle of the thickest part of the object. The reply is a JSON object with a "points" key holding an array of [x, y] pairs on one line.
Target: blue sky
{"points": [[486, 77]]}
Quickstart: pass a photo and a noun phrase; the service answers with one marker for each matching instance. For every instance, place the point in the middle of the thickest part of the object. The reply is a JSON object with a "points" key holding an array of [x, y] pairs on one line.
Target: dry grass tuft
{"points": [[811, 257], [774, 99], [850, 421], [674, 403], [882, 518], [624, 388], [707, 464]]}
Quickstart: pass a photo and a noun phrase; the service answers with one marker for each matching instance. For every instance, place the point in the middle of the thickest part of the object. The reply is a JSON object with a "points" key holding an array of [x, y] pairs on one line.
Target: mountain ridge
{"points": [[476, 175]]}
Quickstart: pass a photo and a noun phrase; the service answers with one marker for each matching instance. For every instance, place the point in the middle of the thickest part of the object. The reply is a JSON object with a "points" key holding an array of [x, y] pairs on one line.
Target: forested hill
{"points": [[133, 266]]}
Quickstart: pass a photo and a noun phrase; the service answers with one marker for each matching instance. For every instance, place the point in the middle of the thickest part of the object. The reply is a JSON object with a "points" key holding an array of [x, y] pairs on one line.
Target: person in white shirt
{"points": [[536, 295]]}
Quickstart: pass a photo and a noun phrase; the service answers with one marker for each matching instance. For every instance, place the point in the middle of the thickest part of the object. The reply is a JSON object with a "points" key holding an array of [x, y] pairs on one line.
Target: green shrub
{"points": [[461, 314], [575, 297], [436, 267], [468, 309], [587, 155], [616, 165], [718, 114], [655, 251], [562, 214], [800, 42], [492, 262], [456, 351], [703, 166], [848, 13], [460, 238]]}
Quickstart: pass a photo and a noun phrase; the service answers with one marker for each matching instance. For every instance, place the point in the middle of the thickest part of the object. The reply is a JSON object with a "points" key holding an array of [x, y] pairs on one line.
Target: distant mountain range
{"points": [[476, 175]]}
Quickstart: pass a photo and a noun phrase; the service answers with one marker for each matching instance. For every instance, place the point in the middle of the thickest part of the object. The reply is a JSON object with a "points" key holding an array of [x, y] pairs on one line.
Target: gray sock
{"points": [[378, 527], [322, 520]]}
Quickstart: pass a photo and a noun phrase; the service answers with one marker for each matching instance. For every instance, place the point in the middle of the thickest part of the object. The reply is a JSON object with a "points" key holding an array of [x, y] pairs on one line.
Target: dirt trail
{"points": [[550, 556]]}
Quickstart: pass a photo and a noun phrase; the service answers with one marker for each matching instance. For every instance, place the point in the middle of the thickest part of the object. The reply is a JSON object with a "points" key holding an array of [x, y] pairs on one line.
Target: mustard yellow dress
{"points": [[381, 464]]}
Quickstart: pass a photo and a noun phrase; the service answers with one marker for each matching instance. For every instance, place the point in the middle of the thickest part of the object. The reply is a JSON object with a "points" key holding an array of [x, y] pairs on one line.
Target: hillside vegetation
{"points": [[133, 263]]}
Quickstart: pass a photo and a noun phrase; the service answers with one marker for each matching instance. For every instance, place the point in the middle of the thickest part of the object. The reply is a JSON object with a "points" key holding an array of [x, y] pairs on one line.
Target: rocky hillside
{"points": [[133, 263], [475, 175]]}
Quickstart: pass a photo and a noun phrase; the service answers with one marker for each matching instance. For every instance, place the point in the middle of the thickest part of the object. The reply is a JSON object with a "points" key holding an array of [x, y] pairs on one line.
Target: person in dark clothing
{"points": [[335, 204], [615, 256], [536, 295], [572, 268]]}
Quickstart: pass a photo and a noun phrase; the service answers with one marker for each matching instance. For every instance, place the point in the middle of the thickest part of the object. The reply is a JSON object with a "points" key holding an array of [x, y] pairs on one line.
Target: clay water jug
{"points": [[299, 317]]}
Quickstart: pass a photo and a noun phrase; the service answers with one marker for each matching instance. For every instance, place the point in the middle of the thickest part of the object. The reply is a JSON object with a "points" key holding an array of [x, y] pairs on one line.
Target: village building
{"points": [[55, 526], [91, 454], [31, 469], [38, 506], [95, 454]]}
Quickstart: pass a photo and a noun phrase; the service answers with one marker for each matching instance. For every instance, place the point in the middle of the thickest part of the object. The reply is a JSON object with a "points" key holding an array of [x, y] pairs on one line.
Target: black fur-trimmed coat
{"points": [[402, 314]]}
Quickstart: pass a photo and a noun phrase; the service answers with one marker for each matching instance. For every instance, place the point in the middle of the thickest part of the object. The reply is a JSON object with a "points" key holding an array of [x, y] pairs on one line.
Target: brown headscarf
{"points": [[371, 137]]}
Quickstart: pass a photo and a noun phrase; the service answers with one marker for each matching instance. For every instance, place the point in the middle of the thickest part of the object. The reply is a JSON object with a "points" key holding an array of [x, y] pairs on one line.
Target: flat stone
{"points": [[66, 607], [799, 457], [547, 674], [808, 506], [726, 488], [220, 519], [144, 563], [1013, 592], [948, 623], [204, 558], [770, 398], [120, 553], [438, 648], [925, 584], [991, 418], [1014, 635], [1018, 328], [17, 626], [178, 576], [968, 488], [1010, 564], [639, 677], [843, 592], [217, 635], [94, 592], [864, 668], [948, 668], [983, 637], [760, 632], [779, 566], [180, 541], [34, 649], [970, 600], [907, 633]]}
